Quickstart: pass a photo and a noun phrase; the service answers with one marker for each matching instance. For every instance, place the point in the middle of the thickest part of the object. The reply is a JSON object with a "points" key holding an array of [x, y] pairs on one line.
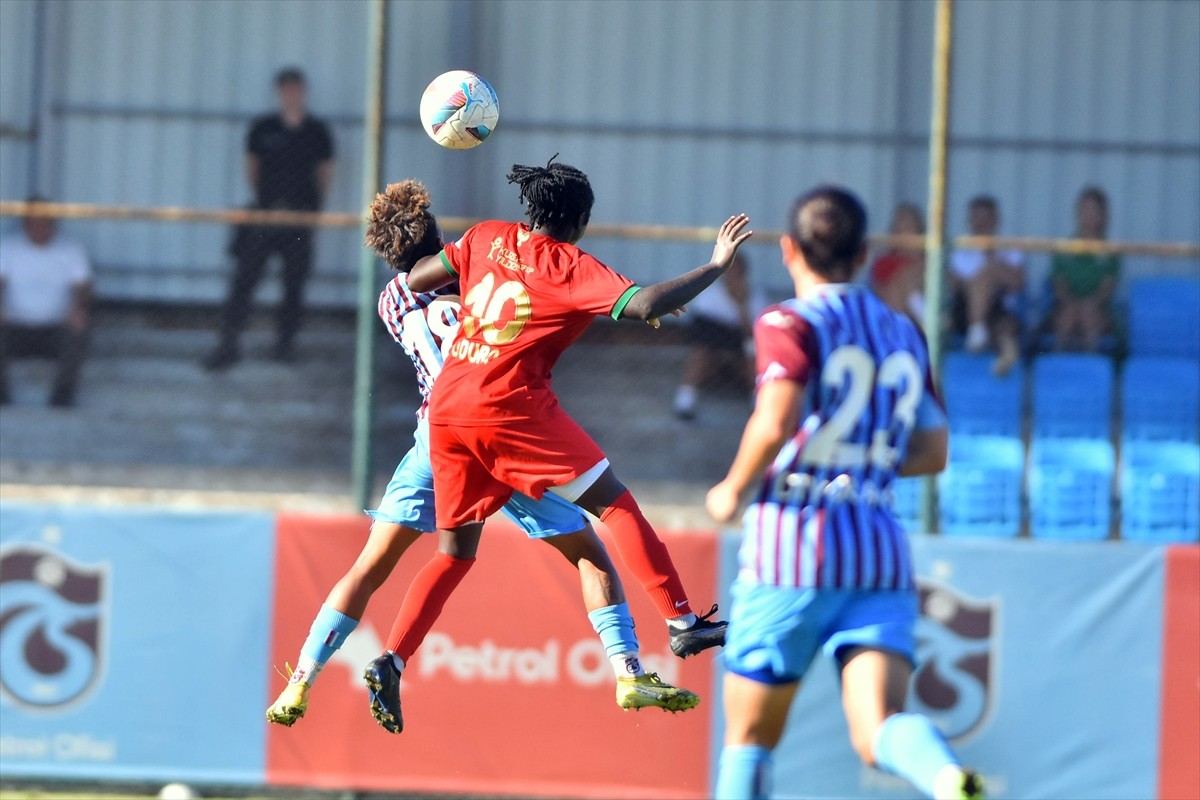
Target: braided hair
{"points": [[556, 196]]}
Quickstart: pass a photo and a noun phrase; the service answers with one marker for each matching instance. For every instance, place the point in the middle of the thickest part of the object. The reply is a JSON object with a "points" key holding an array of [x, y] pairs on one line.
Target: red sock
{"points": [[646, 556], [423, 602]]}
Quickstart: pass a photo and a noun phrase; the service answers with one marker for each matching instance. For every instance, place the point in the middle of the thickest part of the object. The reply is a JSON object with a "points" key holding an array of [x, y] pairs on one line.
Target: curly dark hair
{"points": [[556, 195], [401, 229]]}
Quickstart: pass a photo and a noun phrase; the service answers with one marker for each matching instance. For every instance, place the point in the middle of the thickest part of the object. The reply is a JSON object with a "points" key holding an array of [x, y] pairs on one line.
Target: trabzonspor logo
{"points": [[51, 626], [953, 684]]}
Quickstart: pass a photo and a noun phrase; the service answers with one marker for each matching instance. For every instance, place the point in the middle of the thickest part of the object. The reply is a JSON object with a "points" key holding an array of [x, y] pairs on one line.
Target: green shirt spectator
{"points": [[1082, 274], [1084, 283]]}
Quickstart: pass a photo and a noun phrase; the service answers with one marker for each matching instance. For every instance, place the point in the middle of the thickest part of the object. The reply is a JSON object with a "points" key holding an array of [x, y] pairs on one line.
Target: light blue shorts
{"points": [[775, 631], [408, 500]]}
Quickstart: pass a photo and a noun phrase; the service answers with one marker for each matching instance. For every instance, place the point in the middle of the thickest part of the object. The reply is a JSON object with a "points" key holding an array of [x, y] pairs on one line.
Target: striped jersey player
{"points": [[822, 516], [845, 404], [425, 336], [400, 230]]}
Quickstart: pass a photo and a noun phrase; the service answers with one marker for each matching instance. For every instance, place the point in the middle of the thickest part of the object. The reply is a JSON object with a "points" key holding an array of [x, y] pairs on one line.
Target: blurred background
{"points": [[139, 114], [205, 359]]}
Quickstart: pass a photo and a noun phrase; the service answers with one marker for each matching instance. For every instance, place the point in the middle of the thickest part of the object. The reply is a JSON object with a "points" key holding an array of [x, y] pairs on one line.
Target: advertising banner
{"points": [[511, 692], [1038, 660], [127, 643], [1179, 741]]}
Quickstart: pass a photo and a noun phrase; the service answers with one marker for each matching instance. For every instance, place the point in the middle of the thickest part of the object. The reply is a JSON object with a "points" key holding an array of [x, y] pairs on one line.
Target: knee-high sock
{"points": [[328, 632], [646, 556], [614, 625], [744, 773], [424, 600], [911, 746]]}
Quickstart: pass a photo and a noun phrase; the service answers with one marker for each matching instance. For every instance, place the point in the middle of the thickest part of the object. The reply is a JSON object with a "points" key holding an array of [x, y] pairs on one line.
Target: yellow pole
{"points": [[935, 238]]}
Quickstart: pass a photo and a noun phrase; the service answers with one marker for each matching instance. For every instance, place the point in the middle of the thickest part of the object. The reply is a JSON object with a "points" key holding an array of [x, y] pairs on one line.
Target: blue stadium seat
{"points": [[1164, 317], [1070, 488], [1072, 396], [980, 491], [1160, 492], [1160, 399], [979, 403]]}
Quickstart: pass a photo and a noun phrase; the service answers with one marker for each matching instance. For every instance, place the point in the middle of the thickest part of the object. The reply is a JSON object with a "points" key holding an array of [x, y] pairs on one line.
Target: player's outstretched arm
{"points": [[928, 449], [652, 302]]}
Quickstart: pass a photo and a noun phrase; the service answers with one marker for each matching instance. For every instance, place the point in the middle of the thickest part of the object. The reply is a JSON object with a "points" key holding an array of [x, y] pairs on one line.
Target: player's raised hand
{"points": [[729, 238]]}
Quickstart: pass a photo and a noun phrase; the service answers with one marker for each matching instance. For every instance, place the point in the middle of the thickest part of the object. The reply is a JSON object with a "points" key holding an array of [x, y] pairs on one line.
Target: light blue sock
{"points": [[911, 746], [614, 624], [328, 632], [744, 773]]}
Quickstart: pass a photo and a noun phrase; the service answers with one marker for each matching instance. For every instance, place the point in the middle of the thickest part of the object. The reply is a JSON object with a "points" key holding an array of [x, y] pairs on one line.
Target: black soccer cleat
{"points": [[701, 636], [383, 684]]}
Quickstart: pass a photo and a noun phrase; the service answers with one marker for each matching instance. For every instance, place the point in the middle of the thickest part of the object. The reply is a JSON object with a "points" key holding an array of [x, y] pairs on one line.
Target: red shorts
{"points": [[476, 469]]}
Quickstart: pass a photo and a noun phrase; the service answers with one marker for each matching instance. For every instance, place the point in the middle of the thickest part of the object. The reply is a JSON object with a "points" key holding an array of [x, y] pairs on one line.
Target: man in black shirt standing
{"points": [[289, 165]]}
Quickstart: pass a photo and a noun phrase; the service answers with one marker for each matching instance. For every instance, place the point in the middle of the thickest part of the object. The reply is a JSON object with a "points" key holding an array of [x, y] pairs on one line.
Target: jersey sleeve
{"points": [[785, 347], [456, 255], [599, 290], [254, 138], [324, 143]]}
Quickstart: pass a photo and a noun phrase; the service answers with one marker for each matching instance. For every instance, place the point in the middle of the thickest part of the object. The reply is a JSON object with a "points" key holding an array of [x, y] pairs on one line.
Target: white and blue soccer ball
{"points": [[459, 109]]}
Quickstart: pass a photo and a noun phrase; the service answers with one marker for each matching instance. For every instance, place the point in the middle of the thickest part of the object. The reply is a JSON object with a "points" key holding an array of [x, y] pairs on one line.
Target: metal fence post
{"points": [[364, 346], [935, 237]]}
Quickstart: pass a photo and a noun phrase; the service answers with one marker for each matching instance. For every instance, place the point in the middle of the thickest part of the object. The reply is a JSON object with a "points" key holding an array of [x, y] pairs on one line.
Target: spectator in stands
{"points": [[898, 275], [721, 329], [1084, 283], [986, 288], [45, 291], [289, 166]]}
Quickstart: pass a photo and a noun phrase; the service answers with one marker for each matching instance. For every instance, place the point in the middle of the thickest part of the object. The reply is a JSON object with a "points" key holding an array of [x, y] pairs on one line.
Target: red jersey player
{"points": [[495, 422]]}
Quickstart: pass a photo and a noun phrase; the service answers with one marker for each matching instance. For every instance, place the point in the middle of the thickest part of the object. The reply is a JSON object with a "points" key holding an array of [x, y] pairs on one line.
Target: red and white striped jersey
{"points": [[424, 323], [823, 515]]}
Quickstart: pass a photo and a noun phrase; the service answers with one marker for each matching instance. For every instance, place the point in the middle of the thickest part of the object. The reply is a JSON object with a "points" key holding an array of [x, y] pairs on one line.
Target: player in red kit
{"points": [[495, 423]]}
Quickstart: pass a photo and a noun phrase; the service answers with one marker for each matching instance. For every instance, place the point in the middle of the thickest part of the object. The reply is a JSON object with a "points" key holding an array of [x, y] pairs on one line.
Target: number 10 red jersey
{"points": [[525, 299]]}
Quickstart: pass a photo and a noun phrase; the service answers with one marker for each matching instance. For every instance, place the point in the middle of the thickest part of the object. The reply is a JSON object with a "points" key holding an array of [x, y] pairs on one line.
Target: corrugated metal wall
{"points": [[681, 112], [18, 82]]}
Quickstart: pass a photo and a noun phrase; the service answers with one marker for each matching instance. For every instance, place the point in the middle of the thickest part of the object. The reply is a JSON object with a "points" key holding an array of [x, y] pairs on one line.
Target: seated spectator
{"points": [[45, 290], [898, 275], [1084, 283], [721, 328], [986, 287]]}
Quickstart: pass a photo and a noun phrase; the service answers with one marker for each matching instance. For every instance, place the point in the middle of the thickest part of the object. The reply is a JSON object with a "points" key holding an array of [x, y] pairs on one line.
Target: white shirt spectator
{"points": [[39, 279], [966, 263]]}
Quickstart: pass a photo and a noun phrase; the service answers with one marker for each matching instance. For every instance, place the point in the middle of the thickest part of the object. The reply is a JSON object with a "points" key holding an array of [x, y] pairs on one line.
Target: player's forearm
{"points": [[761, 442], [428, 274], [659, 299]]}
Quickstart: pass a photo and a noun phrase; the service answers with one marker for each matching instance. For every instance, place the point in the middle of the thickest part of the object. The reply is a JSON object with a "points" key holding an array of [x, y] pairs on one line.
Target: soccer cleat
{"points": [[290, 705], [383, 683], [701, 636], [648, 691], [955, 783]]}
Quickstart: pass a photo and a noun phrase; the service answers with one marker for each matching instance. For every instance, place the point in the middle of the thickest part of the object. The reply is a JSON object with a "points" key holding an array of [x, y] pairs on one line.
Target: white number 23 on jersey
{"points": [[829, 445]]}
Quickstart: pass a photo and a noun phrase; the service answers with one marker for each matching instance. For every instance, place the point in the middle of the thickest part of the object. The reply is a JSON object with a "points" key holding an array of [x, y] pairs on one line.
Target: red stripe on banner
{"points": [[511, 693], [1179, 738]]}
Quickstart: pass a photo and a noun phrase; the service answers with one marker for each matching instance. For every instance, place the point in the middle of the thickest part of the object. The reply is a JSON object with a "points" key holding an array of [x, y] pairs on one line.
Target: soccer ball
{"points": [[459, 109]]}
